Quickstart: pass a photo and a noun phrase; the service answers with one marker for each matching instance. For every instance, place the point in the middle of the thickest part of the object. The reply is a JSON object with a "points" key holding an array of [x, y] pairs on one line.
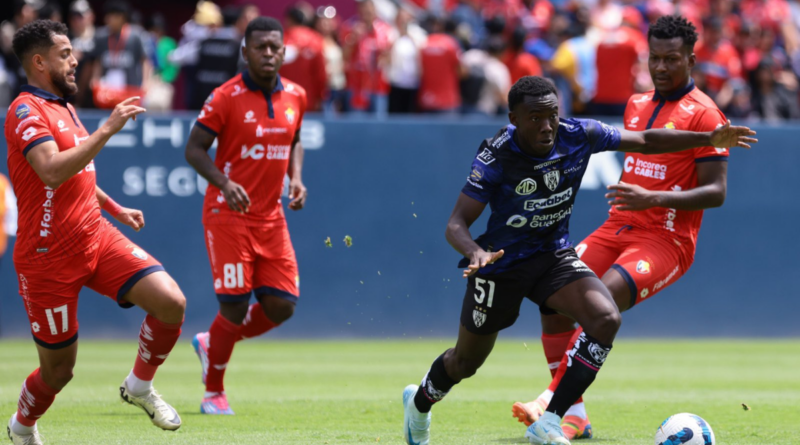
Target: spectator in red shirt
{"points": [[717, 57], [366, 41], [519, 62], [304, 62], [620, 57], [441, 69]]}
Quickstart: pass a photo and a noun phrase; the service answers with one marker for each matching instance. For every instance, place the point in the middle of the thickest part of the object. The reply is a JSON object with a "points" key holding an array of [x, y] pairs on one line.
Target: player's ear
{"points": [[512, 118]]}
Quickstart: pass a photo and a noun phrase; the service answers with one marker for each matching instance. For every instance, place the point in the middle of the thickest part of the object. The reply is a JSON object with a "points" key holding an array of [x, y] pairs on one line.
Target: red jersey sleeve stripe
{"points": [[712, 159], [36, 142], [206, 128]]}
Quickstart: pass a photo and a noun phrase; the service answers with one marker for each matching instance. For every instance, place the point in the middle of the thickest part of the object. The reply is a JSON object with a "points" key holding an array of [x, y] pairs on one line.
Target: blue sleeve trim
{"points": [[467, 190], [135, 278], [206, 128], [233, 298], [41, 140], [628, 279], [275, 292], [712, 159], [60, 345]]}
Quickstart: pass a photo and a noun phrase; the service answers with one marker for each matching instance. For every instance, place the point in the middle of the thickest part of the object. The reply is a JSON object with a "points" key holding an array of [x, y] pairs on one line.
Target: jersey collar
{"points": [[678, 95], [46, 95], [252, 86]]}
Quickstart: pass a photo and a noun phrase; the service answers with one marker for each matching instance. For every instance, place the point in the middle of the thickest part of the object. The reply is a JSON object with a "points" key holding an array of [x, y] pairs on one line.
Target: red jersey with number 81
{"points": [[689, 110], [53, 224], [255, 131]]}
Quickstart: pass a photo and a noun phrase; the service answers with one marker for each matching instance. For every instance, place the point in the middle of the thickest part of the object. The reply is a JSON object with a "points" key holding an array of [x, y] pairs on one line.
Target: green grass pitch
{"points": [[349, 392]]}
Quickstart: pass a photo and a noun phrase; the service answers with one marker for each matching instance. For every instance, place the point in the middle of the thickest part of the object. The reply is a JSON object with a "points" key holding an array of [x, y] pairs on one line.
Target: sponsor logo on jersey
{"points": [[551, 201], [62, 127], [546, 164], [139, 253], [644, 293], [670, 126], [477, 174], [35, 326], [29, 133], [501, 139], [643, 267], [551, 179], [526, 187], [486, 157], [645, 168], [47, 215], [271, 152], [289, 115], [237, 90], [644, 98], [261, 131], [580, 249], [248, 117], [633, 121], [664, 282], [688, 109], [22, 111], [218, 284], [580, 266], [539, 221], [211, 97], [24, 121]]}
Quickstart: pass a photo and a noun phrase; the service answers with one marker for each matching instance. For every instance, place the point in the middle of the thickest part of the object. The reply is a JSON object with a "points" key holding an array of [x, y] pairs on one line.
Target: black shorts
{"points": [[492, 301]]}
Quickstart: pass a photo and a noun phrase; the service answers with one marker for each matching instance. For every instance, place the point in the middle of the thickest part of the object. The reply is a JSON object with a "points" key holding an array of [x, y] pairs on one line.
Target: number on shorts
{"points": [[234, 275], [52, 322], [479, 286]]}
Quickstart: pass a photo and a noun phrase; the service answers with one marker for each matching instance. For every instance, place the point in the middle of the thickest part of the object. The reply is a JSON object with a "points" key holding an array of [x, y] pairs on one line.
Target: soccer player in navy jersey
{"points": [[529, 173]]}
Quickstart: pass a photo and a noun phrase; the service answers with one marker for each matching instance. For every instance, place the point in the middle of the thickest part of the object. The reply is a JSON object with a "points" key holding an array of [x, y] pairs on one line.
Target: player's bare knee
{"points": [[277, 310], [172, 306], [57, 376], [604, 327], [234, 311]]}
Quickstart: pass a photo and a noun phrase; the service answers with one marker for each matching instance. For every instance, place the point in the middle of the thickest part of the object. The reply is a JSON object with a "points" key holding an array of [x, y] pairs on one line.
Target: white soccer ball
{"points": [[685, 429]]}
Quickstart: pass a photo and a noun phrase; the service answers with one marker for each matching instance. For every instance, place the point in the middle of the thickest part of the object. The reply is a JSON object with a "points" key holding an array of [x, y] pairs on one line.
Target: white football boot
{"points": [[160, 412], [28, 439], [546, 431], [416, 425]]}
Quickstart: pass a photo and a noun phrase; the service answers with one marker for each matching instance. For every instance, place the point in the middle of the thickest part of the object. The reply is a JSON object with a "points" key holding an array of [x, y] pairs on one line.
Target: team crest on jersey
{"points": [[477, 174], [526, 187], [670, 125], [478, 317], [643, 267], [551, 179], [22, 111], [209, 98], [139, 253], [289, 114]]}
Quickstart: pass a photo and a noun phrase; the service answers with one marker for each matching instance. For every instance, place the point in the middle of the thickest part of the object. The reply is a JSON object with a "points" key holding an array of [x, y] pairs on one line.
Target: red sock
{"points": [[156, 340], [221, 337], [562, 367], [554, 347], [35, 398], [255, 323]]}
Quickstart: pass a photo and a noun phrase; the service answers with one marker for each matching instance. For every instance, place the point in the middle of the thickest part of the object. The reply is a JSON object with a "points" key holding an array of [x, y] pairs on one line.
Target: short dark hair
{"points": [[672, 26], [36, 36], [533, 86], [295, 14], [117, 7], [262, 24]]}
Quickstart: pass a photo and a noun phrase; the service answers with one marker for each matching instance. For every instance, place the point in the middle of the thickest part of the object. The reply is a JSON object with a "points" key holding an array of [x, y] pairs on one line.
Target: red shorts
{"points": [[247, 259], [50, 291], [647, 261]]}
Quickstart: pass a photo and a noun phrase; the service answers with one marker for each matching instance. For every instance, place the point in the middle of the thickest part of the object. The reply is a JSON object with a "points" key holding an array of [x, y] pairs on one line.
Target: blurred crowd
{"points": [[451, 57]]}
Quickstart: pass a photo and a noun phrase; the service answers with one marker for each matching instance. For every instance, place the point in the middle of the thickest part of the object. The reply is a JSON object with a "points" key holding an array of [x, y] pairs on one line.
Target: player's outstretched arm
{"points": [[466, 211], [56, 167], [297, 190], [660, 141], [197, 156]]}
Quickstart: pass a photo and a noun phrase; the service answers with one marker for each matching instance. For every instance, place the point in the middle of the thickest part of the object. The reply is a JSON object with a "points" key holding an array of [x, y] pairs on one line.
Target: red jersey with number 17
{"points": [[691, 110], [53, 224], [255, 130]]}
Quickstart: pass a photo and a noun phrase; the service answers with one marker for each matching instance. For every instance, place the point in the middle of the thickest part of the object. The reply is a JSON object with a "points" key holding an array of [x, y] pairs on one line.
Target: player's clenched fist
{"points": [[132, 218], [122, 112], [236, 197], [481, 258], [297, 194]]}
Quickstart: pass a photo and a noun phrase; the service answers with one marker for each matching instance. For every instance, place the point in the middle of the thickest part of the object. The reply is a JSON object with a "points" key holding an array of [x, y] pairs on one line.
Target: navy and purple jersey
{"points": [[532, 198]]}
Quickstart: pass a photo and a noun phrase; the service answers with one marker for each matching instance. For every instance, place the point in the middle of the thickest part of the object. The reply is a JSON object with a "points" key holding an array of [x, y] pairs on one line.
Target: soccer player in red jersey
{"points": [[63, 242], [648, 241], [256, 118]]}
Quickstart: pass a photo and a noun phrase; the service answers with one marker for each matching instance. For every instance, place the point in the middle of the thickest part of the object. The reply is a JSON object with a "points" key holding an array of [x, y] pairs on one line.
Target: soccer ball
{"points": [[685, 429]]}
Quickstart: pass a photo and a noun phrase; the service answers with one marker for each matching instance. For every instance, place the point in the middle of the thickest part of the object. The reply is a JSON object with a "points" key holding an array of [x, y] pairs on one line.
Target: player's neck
{"points": [[45, 85], [681, 87], [265, 84]]}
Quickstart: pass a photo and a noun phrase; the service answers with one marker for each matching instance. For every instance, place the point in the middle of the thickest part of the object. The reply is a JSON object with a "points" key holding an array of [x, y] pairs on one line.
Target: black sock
{"points": [[585, 361], [435, 385]]}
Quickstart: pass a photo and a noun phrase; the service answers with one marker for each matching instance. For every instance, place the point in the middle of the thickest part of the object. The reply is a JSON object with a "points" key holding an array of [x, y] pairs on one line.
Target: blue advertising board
{"points": [[391, 185]]}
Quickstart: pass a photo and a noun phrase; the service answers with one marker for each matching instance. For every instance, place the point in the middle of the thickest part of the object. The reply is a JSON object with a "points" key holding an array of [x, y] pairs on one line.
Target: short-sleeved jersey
{"points": [[690, 110], [532, 198], [53, 224], [255, 130]]}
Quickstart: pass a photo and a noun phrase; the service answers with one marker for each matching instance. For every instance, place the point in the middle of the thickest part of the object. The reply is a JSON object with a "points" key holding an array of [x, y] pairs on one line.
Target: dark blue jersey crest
{"points": [[531, 199]]}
